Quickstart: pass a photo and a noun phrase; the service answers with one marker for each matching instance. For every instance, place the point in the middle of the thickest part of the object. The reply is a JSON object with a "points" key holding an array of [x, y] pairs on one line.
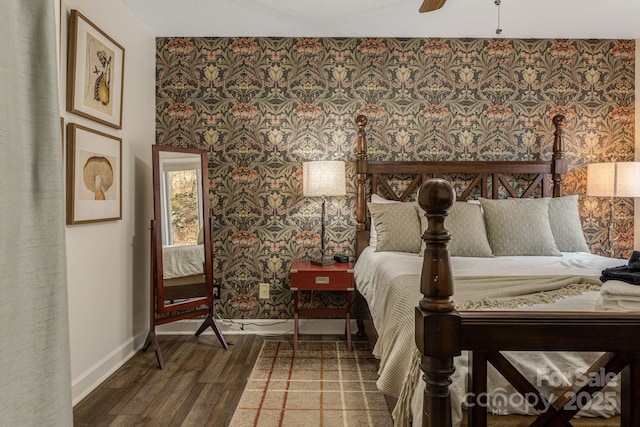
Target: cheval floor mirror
{"points": [[181, 248]]}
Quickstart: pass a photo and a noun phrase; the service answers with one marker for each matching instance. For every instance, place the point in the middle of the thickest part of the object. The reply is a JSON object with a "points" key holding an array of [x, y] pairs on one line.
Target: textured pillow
{"points": [[397, 226], [373, 233], [519, 227], [466, 226], [566, 225]]}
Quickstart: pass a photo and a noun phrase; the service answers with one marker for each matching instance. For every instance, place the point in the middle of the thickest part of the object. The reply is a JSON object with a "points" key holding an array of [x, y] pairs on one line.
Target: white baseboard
{"points": [[99, 372], [259, 327], [95, 375]]}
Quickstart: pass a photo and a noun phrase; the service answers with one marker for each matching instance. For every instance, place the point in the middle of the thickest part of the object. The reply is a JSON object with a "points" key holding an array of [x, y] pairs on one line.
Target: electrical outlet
{"points": [[264, 291]]}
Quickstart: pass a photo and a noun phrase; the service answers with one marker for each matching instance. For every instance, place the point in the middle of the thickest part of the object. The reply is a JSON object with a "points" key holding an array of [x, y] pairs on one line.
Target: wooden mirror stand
{"points": [[181, 284]]}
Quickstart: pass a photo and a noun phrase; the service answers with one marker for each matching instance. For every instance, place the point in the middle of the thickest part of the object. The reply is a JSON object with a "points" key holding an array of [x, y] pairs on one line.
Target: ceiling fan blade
{"points": [[431, 5]]}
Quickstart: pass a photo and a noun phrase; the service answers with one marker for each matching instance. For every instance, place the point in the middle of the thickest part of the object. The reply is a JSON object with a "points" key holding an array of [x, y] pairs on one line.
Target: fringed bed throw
{"points": [[399, 357]]}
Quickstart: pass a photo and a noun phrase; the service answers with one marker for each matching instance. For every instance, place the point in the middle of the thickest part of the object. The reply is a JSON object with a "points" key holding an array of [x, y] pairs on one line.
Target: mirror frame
{"points": [[161, 308]]}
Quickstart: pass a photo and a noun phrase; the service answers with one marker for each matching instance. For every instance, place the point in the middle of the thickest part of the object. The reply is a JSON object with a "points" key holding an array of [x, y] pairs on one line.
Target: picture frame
{"points": [[94, 176], [95, 73]]}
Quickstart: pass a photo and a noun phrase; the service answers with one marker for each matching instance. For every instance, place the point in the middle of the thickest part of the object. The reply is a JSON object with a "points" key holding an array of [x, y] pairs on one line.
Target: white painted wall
{"points": [[108, 262]]}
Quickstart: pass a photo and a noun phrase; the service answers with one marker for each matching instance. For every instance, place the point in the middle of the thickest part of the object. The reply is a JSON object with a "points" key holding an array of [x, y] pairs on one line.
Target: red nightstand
{"points": [[308, 277]]}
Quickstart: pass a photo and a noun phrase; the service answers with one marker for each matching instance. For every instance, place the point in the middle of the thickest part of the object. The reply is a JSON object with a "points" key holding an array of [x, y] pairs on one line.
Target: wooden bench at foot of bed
{"points": [[442, 333]]}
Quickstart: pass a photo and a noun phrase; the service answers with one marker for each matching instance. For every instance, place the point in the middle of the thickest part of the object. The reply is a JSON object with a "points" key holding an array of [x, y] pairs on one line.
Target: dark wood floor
{"points": [[200, 385]]}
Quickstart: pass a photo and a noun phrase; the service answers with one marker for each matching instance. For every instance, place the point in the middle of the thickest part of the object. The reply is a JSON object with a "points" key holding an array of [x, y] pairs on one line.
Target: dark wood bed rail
{"points": [[442, 333], [486, 179]]}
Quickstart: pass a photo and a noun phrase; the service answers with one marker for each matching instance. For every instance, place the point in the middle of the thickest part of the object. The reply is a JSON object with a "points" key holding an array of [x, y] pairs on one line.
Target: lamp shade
{"points": [[614, 179], [323, 178]]}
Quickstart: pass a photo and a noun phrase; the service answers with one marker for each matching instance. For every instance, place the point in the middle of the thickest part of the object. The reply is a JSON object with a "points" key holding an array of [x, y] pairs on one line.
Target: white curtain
{"points": [[35, 385]]}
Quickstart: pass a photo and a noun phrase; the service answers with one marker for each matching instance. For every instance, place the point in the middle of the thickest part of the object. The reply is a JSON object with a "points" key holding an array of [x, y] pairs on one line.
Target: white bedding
{"points": [[616, 295], [182, 260], [375, 270]]}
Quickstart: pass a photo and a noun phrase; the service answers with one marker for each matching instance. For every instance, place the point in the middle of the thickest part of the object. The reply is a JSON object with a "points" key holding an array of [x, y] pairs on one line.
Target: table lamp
{"points": [[323, 178], [614, 179]]}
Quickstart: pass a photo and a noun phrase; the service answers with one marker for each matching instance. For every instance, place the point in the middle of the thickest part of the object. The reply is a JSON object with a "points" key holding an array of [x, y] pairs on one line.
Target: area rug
{"points": [[322, 384]]}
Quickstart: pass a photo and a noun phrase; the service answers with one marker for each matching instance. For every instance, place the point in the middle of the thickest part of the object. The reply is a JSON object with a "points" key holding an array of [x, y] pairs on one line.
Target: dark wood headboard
{"points": [[488, 179]]}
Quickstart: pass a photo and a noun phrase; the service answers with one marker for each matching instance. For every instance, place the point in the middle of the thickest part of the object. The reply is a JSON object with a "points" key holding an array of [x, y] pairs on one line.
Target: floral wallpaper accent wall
{"points": [[262, 106]]}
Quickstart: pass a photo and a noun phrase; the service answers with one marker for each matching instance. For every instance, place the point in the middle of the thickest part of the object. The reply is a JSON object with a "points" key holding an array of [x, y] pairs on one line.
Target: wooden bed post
{"points": [[362, 239], [437, 321], [558, 163]]}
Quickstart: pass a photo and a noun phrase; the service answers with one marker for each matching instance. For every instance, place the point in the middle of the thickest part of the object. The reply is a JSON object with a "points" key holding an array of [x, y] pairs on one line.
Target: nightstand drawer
{"points": [[325, 280], [305, 276]]}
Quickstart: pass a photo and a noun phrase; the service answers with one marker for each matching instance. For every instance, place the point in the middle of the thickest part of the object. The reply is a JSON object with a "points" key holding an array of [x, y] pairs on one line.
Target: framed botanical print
{"points": [[95, 73], [94, 176]]}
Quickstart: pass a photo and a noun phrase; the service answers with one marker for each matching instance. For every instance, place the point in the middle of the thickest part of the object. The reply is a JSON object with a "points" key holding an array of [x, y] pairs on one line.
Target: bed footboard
{"points": [[442, 333]]}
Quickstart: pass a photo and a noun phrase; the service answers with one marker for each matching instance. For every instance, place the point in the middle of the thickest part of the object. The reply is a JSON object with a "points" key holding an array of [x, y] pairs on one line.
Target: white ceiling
{"points": [[390, 18]]}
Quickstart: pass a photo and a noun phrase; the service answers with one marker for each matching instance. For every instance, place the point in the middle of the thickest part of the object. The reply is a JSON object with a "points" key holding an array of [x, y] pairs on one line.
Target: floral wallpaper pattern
{"points": [[262, 106]]}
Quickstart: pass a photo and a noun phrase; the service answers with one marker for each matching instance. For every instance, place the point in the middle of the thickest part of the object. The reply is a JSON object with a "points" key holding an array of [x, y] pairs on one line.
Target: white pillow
{"points": [[373, 234]]}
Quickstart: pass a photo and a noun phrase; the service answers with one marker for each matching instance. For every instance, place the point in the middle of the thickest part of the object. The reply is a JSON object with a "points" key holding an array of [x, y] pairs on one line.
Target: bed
{"points": [[541, 322], [183, 272]]}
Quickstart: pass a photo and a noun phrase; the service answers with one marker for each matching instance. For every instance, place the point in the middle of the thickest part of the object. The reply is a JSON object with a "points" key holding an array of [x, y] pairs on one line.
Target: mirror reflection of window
{"points": [[181, 203], [183, 198]]}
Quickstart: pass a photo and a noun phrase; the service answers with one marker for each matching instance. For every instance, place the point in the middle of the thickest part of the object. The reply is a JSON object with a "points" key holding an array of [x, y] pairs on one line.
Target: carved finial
{"points": [[559, 164], [436, 195], [361, 145], [361, 121], [559, 120]]}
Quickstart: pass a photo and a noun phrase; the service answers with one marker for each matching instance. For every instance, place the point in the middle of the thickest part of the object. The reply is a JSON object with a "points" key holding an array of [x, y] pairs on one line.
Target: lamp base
{"points": [[322, 262]]}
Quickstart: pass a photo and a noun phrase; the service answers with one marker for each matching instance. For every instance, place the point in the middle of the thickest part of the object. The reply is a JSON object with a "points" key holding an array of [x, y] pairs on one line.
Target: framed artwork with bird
{"points": [[95, 72]]}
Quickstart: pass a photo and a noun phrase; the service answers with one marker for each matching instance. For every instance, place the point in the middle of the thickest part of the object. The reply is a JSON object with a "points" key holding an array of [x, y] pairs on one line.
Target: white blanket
{"points": [[374, 271], [182, 260], [617, 295]]}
